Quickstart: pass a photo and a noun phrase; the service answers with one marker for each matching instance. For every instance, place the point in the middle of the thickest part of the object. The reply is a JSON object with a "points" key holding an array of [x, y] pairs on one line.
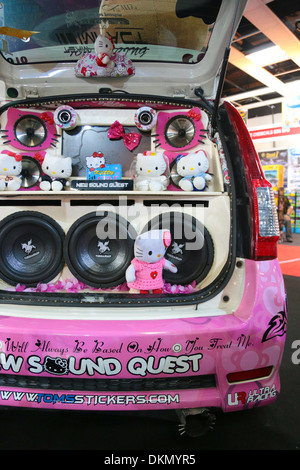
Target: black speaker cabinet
{"points": [[31, 248]]}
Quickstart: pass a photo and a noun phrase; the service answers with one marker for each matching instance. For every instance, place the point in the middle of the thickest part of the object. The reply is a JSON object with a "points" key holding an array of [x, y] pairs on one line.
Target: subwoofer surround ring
{"points": [[31, 248], [193, 265], [95, 260]]}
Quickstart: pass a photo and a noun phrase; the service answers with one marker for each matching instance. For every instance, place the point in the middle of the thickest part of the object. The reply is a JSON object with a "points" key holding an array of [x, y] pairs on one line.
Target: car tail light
{"points": [[264, 220], [248, 375]]}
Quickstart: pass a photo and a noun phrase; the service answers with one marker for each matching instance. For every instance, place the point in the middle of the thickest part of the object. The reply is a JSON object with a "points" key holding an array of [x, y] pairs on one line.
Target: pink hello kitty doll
{"points": [[145, 272]]}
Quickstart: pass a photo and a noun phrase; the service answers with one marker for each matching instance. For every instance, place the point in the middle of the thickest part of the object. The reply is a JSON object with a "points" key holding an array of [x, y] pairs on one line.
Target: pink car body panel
{"points": [[251, 338]]}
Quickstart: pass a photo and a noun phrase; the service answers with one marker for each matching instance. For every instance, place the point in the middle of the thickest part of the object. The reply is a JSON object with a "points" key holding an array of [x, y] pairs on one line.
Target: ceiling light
{"points": [[268, 56]]}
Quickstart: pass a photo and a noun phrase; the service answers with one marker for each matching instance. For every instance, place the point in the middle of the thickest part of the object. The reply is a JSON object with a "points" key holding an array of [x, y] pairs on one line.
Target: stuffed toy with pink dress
{"points": [[145, 273]]}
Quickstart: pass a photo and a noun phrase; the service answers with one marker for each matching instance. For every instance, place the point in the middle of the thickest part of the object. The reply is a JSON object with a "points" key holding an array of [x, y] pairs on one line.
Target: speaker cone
{"points": [[30, 131], [99, 248], [175, 177], [31, 172], [179, 131], [31, 248], [191, 249]]}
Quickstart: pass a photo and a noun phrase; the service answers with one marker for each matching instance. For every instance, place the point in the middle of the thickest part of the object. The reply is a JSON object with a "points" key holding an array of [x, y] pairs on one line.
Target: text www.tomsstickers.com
{"points": [[73, 399]]}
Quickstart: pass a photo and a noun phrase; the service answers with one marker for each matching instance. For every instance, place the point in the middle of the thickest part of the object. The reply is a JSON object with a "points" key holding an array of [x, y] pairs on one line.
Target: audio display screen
{"points": [[83, 141]]}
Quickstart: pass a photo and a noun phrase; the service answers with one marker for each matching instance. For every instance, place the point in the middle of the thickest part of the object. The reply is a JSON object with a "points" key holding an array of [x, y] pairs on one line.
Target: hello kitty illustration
{"points": [[97, 160], [104, 48], [150, 169], [56, 366], [56, 170], [10, 170], [145, 272], [193, 169]]}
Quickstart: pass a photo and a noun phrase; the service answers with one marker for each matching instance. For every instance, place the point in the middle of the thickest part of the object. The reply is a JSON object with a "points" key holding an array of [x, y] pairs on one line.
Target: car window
{"points": [[35, 31]]}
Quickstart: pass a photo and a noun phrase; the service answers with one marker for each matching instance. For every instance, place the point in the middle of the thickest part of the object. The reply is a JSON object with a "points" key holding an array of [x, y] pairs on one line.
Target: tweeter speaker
{"points": [[31, 248], [99, 248], [191, 250]]}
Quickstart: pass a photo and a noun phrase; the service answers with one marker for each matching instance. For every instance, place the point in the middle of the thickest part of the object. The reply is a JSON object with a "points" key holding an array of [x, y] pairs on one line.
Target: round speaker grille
{"points": [[31, 248], [30, 131], [179, 131], [99, 249], [191, 249], [31, 172]]}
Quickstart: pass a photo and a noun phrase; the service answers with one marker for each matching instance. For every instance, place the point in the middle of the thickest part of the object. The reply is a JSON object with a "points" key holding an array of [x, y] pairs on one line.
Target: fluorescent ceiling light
{"points": [[268, 56]]}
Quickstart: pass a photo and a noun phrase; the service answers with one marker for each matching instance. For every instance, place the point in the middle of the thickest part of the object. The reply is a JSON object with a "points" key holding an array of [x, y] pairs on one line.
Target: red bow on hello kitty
{"points": [[39, 157], [16, 156], [47, 117], [194, 114]]}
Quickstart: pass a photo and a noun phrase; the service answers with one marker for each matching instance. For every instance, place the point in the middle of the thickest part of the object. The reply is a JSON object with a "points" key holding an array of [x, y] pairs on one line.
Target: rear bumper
{"points": [[149, 364]]}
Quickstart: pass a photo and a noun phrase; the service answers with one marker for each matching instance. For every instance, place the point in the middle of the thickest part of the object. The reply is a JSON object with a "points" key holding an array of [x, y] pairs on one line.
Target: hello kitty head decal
{"points": [[97, 160], [151, 246]]}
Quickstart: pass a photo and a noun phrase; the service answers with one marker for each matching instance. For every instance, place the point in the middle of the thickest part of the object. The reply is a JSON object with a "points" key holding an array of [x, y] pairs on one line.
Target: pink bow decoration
{"points": [[131, 140]]}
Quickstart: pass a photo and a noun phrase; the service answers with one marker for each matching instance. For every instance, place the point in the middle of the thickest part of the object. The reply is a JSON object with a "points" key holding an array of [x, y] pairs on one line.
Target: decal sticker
{"points": [[109, 366], [253, 396], [94, 400], [277, 326]]}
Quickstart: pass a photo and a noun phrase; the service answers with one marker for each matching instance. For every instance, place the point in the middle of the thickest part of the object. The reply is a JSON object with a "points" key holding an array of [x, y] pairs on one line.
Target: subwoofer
{"points": [[99, 248], [191, 250], [31, 248]]}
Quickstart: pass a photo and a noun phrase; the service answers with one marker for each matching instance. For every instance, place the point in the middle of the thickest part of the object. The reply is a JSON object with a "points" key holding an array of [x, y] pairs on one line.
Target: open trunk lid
{"points": [[176, 47]]}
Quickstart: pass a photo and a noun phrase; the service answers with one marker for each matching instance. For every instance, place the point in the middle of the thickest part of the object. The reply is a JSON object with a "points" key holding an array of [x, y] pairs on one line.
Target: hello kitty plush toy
{"points": [[145, 272], [56, 170], [104, 48], [10, 170], [151, 169], [193, 169], [104, 61]]}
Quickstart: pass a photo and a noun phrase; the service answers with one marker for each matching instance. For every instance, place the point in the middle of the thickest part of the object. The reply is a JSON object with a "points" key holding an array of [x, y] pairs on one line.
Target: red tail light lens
{"points": [[264, 221], [248, 375]]}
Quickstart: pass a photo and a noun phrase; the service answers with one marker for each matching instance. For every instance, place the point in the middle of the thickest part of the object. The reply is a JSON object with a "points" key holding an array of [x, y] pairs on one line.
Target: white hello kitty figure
{"points": [[193, 169], [10, 170], [104, 48], [145, 272], [97, 160], [150, 169], [56, 170]]}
